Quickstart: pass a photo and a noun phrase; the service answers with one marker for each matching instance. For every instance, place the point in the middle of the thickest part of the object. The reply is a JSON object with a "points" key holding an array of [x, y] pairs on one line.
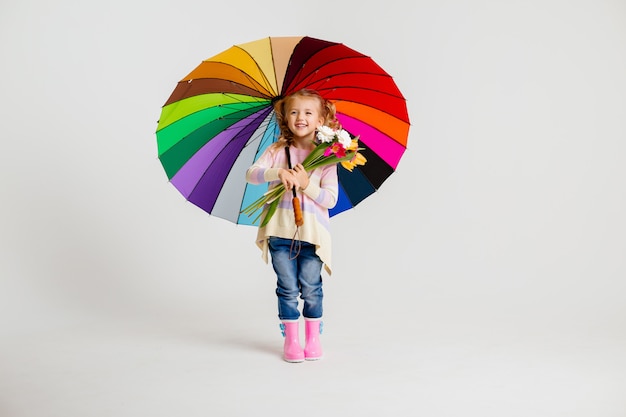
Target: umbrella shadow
{"points": [[219, 339], [264, 347], [215, 334], [92, 267]]}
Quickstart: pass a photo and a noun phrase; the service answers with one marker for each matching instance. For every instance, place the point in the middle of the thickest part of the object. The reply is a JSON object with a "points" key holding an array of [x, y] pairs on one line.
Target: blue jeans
{"points": [[298, 276]]}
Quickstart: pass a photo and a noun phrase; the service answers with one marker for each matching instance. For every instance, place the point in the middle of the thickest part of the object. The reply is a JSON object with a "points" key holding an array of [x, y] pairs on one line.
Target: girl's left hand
{"points": [[301, 175]]}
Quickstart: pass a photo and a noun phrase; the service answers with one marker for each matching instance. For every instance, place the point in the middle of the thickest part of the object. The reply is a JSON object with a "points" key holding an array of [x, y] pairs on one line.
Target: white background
{"points": [[485, 278]]}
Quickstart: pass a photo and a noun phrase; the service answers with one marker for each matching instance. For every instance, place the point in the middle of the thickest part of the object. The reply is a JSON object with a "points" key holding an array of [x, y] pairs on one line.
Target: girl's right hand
{"points": [[301, 176], [288, 179]]}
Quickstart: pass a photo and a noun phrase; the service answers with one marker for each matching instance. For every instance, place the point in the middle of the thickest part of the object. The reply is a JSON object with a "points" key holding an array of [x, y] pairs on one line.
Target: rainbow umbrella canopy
{"points": [[219, 119]]}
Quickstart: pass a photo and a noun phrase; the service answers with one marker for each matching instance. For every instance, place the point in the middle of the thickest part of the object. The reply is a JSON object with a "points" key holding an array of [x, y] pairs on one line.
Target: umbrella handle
{"points": [[297, 211]]}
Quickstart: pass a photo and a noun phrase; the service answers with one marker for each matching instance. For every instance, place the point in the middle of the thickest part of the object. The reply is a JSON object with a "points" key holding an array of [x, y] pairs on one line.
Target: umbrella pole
{"points": [[297, 209]]}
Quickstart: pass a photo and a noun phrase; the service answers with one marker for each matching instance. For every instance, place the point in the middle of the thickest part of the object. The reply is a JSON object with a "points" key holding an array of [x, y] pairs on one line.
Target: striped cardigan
{"points": [[319, 196]]}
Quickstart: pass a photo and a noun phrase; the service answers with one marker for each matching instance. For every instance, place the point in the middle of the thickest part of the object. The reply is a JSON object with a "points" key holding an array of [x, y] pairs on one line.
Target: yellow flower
{"points": [[353, 145], [357, 159]]}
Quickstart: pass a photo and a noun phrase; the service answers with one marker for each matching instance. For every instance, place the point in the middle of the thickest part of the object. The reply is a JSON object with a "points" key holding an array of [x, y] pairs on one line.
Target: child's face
{"points": [[304, 115]]}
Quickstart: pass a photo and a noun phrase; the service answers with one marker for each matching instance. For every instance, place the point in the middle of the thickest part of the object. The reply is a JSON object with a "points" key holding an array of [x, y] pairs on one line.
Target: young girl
{"points": [[298, 253]]}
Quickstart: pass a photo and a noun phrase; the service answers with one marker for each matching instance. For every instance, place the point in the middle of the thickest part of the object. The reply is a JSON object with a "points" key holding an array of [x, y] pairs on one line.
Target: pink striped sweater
{"points": [[319, 196]]}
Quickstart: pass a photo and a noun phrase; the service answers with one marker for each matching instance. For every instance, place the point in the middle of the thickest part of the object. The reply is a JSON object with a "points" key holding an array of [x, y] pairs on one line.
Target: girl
{"points": [[298, 252]]}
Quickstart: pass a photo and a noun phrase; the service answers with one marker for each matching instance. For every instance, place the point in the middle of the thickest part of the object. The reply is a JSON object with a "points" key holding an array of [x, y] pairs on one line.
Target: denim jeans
{"points": [[298, 276]]}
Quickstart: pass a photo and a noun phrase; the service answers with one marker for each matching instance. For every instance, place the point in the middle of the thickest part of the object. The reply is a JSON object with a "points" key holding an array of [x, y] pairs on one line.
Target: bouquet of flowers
{"points": [[332, 147]]}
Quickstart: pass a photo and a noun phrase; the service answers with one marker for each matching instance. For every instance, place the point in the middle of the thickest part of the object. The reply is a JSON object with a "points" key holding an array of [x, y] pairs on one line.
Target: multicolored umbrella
{"points": [[220, 118]]}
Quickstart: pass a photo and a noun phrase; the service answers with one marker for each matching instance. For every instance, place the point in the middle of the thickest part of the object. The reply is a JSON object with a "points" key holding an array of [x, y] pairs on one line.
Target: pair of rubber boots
{"points": [[292, 350]]}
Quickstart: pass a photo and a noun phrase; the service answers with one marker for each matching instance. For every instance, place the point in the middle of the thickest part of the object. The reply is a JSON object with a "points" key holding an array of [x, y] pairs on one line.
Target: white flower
{"points": [[325, 134], [344, 138]]}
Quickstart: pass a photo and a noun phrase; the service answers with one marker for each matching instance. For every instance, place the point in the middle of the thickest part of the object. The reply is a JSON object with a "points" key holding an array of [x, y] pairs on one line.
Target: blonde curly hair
{"points": [[328, 112]]}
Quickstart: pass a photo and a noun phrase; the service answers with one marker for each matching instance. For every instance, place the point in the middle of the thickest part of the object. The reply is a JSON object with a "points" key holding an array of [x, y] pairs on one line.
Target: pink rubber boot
{"points": [[312, 331], [292, 350]]}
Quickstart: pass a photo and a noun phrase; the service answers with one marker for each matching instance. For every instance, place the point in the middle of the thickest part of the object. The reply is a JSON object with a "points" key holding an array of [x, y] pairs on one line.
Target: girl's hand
{"points": [[288, 179], [301, 176]]}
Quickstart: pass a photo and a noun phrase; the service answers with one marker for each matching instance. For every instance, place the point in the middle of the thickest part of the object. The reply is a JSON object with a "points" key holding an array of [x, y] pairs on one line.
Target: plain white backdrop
{"points": [[485, 278]]}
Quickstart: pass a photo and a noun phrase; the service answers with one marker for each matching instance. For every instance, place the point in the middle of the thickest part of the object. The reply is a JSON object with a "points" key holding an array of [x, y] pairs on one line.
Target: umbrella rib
{"points": [[250, 104], [266, 83], [334, 61], [257, 134], [325, 80], [381, 110], [221, 151], [361, 88]]}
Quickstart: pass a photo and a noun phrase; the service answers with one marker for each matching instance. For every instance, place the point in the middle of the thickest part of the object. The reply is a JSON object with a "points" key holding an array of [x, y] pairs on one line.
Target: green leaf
{"points": [[333, 159], [270, 212], [315, 154]]}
